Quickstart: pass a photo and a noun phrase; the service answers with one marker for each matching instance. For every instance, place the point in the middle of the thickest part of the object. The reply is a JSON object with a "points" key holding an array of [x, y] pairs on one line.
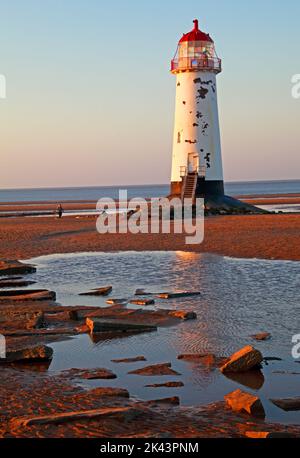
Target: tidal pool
{"points": [[239, 297]]}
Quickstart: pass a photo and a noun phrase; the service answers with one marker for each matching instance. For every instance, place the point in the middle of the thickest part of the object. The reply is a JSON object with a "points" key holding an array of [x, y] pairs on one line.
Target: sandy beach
{"points": [[274, 236], [265, 199], [270, 236]]}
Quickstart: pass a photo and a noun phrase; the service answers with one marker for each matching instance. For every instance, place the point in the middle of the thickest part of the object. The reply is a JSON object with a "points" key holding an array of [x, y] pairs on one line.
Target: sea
{"points": [[94, 193]]}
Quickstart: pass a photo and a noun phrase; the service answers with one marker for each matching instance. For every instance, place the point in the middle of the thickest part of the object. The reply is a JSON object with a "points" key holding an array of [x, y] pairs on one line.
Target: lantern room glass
{"points": [[192, 55], [196, 49]]}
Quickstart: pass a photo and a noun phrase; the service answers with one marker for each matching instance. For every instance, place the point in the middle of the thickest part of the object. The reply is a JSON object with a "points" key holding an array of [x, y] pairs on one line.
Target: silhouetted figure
{"points": [[59, 210]]}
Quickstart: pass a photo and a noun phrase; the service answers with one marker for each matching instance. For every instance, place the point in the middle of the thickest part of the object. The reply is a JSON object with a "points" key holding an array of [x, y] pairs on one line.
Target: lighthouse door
{"points": [[193, 163]]}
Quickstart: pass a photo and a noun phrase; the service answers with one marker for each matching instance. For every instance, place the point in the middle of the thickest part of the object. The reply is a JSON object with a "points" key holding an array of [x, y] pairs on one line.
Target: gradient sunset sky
{"points": [[90, 99]]}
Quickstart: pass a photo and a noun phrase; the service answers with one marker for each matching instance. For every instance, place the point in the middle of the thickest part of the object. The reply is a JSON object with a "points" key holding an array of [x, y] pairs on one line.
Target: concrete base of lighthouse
{"points": [[216, 202]]}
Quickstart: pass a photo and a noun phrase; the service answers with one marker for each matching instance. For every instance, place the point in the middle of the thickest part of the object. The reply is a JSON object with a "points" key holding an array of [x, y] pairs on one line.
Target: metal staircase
{"points": [[189, 186], [191, 182]]}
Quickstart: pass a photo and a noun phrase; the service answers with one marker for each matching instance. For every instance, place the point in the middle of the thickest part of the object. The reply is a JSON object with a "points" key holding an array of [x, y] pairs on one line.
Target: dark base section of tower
{"points": [[207, 188], [216, 202]]}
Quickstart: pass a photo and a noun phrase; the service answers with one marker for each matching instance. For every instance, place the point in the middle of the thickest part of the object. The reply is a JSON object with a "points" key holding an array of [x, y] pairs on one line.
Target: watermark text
{"points": [[296, 86], [164, 215], [2, 87]]}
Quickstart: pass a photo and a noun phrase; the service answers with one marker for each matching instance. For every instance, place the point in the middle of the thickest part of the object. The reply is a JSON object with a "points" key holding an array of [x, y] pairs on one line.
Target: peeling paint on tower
{"points": [[196, 113]]}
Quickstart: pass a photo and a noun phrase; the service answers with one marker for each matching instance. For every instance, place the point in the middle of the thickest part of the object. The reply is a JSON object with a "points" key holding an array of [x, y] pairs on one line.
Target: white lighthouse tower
{"points": [[196, 160]]}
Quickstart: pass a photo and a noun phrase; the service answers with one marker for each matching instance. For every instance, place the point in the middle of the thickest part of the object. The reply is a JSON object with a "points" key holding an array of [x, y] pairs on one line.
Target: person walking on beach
{"points": [[59, 210]]}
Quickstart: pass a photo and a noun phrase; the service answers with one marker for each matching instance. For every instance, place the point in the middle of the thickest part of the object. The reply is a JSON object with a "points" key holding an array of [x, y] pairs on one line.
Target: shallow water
{"points": [[281, 208], [239, 297], [277, 208], [293, 208]]}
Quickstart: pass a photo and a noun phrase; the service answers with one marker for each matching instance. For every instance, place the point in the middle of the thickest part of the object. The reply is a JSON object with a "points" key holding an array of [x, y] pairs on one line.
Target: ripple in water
{"points": [[239, 297]]}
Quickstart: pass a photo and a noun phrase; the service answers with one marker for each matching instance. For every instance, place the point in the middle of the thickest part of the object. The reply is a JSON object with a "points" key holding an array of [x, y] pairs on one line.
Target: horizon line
{"points": [[139, 185]]}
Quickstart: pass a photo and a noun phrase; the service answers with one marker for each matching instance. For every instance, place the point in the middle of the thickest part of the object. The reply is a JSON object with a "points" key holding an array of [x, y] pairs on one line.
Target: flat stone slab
{"points": [[90, 374], [174, 400], [12, 267], [142, 292], [35, 320], [38, 353], [287, 404], [118, 301], [142, 301], [109, 392], [268, 435], [12, 319], [183, 315], [155, 369], [27, 295], [97, 325], [143, 316], [103, 291], [11, 277], [173, 295], [62, 316], [15, 283], [240, 401], [127, 413], [165, 385], [256, 434], [129, 360], [56, 332]]}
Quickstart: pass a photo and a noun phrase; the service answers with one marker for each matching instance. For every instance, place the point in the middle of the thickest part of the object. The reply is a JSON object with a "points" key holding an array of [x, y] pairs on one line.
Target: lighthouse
{"points": [[196, 160], [197, 169]]}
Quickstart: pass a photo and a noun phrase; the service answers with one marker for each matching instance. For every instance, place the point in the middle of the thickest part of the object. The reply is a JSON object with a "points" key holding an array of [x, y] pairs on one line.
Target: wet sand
{"points": [[274, 236], [28, 391], [142, 419], [269, 199], [63, 393], [272, 200]]}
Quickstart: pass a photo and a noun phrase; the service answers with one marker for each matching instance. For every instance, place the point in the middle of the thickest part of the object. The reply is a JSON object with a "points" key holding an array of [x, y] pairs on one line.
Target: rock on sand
{"points": [[240, 401]]}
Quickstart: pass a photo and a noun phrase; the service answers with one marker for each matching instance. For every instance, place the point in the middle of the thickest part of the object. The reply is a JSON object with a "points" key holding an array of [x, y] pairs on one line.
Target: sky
{"points": [[90, 99]]}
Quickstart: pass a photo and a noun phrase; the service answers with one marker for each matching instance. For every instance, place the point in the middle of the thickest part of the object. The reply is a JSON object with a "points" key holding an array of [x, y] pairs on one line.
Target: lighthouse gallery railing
{"points": [[199, 170], [193, 63]]}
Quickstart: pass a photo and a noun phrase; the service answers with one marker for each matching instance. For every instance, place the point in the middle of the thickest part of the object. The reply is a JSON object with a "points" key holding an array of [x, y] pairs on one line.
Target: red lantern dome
{"points": [[196, 34], [196, 52]]}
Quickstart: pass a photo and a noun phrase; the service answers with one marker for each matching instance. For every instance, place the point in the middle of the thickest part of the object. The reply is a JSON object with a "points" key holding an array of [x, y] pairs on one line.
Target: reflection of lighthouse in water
{"points": [[196, 161]]}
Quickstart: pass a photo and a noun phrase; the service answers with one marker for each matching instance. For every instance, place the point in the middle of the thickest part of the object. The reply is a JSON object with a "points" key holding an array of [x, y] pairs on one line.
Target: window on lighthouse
{"points": [[191, 50], [178, 137], [183, 49]]}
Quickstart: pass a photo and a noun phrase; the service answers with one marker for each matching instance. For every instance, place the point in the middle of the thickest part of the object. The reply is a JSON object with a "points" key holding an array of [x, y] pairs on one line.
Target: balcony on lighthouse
{"points": [[196, 52]]}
